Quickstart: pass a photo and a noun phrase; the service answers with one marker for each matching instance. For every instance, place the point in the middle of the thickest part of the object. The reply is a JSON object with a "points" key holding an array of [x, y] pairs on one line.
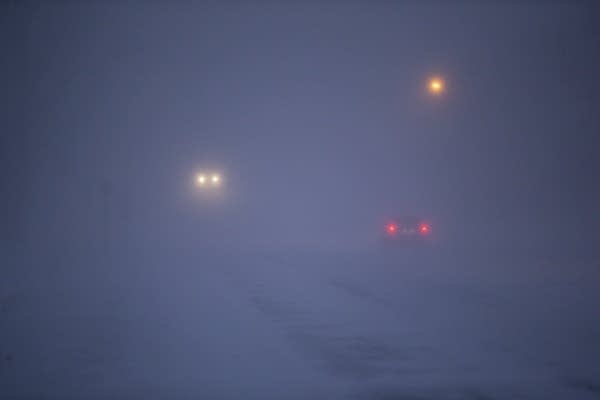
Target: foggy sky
{"points": [[315, 112]]}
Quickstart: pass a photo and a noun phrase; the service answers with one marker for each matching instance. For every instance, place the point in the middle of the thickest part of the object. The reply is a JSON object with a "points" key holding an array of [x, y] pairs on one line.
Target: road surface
{"points": [[196, 323]]}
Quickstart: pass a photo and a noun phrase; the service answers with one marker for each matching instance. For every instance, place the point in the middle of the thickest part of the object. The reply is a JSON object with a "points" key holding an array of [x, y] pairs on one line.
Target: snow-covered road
{"points": [[425, 327], [301, 325]]}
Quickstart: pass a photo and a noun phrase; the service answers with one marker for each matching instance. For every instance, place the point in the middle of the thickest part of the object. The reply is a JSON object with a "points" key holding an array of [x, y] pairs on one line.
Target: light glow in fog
{"points": [[208, 180], [392, 228]]}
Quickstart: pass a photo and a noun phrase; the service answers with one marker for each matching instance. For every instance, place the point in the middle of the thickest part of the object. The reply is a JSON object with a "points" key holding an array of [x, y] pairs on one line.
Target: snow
{"points": [[190, 324]]}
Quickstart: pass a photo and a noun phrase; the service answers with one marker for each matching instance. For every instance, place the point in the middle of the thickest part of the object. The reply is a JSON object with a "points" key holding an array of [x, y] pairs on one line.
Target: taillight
{"points": [[391, 228], [424, 229]]}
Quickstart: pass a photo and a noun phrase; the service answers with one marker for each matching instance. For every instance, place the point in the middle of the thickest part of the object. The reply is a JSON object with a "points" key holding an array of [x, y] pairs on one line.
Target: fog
{"points": [[122, 277]]}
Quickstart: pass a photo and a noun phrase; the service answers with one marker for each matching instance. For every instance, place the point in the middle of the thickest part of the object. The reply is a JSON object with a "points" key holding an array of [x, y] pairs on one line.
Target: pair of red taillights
{"points": [[393, 228]]}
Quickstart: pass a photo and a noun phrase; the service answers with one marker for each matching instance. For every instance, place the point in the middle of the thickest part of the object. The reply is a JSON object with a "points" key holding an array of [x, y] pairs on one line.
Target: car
{"points": [[408, 230], [208, 180]]}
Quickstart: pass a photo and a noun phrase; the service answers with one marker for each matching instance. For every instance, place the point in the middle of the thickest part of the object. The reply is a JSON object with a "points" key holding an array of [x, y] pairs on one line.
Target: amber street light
{"points": [[436, 85]]}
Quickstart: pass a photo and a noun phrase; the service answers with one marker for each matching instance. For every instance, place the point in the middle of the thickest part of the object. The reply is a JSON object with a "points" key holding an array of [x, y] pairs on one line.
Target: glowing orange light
{"points": [[436, 85], [424, 229]]}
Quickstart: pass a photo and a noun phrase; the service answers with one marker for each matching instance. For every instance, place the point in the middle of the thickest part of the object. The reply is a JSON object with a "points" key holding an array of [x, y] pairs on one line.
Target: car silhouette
{"points": [[407, 230]]}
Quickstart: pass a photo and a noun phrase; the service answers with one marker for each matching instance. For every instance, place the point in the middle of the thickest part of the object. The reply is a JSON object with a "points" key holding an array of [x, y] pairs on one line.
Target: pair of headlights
{"points": [[208, 179]]}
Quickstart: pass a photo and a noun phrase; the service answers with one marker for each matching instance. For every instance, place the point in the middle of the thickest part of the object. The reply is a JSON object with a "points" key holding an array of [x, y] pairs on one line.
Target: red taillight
{"points": [[424, 229], [391, 228]]}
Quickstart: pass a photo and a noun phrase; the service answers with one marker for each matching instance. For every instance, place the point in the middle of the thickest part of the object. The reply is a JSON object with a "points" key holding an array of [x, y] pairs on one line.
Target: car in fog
{"points": [[408, 230], [208, 180]]}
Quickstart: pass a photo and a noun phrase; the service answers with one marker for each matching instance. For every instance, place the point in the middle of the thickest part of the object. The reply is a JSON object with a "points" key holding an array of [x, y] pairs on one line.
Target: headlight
{"points": [[208, 179]]}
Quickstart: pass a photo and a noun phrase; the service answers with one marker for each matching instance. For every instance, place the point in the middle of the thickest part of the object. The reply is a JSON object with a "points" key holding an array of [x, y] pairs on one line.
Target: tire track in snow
{"points": [[311, 307], [331, 327]]}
